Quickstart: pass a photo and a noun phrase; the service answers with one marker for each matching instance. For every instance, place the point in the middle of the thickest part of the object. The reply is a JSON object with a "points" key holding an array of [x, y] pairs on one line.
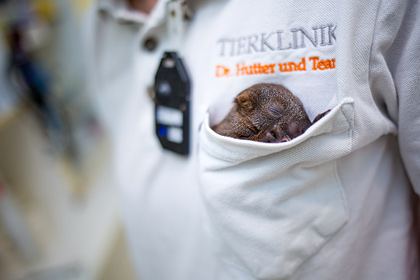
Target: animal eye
{"points": [[274, 110]]}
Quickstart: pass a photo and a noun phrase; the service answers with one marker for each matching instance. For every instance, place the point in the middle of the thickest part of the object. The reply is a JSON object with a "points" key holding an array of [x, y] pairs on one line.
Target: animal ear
{"points": [[245, 101], [317, 118]]}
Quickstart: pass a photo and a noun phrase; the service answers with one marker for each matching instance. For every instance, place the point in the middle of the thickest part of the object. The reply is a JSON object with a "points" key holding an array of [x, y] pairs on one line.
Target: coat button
{"points": [[150, 43]]}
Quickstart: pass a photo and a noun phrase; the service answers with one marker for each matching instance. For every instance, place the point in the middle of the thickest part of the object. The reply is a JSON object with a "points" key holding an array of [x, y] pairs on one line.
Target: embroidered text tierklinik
{"points": [[295, 38]]}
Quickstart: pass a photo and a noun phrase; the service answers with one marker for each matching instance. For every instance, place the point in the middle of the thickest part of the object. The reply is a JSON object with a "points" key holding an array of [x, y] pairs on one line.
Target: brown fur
{"points": [[265, 113]]}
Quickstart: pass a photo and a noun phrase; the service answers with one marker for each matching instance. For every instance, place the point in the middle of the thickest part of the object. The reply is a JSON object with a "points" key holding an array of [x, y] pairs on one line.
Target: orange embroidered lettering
{"points": [[222, 71], [314, 59], [319, 64], [292, 66], [327, 64], [269, 69], [253, 69], [257, 68], [302, 65]]}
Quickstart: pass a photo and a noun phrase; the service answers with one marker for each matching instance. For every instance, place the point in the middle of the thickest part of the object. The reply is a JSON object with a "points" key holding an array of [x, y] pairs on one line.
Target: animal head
{"points": [[266, 105]]}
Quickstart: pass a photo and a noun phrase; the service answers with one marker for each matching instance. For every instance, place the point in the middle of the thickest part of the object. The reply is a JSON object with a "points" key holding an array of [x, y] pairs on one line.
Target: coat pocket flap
{"points": [[229, 151]]}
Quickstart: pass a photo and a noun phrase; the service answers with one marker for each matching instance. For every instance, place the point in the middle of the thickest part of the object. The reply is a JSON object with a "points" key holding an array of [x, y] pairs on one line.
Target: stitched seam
{"points": [[374, 36], [373, 45]]}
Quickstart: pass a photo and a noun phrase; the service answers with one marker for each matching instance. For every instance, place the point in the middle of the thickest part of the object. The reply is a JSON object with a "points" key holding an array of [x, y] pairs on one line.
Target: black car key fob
{"points": [[172, 110]]}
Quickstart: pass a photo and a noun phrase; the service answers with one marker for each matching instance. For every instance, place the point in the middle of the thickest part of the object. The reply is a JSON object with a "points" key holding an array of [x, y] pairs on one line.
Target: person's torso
{"points": [[320, 52]]}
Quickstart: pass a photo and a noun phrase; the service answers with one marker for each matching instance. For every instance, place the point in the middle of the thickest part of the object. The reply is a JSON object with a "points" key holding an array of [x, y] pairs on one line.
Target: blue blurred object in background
{"points": [[58, 217], [32, 81]]}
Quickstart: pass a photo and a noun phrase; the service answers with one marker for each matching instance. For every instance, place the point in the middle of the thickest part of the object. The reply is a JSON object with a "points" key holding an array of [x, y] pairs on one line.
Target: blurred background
{"points": [[59, 216]]}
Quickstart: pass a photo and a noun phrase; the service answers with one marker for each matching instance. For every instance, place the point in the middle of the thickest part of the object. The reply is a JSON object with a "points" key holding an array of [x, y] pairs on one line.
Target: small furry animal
{"points": [[266, 113]]}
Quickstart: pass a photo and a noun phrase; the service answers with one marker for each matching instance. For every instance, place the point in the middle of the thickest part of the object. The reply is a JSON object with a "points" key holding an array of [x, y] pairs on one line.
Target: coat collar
{"points": [[120, 11]]}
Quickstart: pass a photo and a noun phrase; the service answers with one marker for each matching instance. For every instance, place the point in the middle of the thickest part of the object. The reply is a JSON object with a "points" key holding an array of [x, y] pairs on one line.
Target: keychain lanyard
{"points": [[175, 23], [173, 87]]}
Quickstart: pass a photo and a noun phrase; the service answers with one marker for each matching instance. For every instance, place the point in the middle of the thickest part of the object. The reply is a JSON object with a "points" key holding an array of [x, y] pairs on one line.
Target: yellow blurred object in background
{"points": [[47, 9]]}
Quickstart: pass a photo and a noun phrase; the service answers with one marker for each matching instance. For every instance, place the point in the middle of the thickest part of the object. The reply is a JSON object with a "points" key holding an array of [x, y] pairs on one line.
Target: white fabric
{"points": [[334, 203]]}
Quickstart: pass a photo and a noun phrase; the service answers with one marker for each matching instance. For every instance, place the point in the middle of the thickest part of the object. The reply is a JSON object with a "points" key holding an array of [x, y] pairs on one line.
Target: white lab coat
{"points": [[334, 203]]}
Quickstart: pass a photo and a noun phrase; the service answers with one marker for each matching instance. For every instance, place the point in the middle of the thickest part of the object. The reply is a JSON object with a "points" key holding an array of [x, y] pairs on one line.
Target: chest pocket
{"points": [[276, 205]]}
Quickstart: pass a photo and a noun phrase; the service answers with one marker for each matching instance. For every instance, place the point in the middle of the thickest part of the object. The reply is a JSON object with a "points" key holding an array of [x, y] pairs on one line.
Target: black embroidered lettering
{"points": [[222, 49], [322, 31], [225, 42], [296, 38], [252, 40], [295, 44], [327, 34], [280, 42], [264, 41], [241, 45], [305, 34], [331, 33]]}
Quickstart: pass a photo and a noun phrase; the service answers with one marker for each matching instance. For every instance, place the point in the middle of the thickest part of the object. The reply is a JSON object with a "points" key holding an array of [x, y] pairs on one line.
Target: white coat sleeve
{"points": [[395, 76], [403, 58]]}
